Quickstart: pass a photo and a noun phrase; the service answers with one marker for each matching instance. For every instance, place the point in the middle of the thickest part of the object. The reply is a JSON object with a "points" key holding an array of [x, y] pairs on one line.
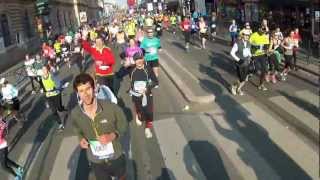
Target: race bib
{"points": [[152, 50], [139, 86], [186, 26], [102, 151], [213, 25], [103, 67], [77, 49], [246, 52], [158, 29]]}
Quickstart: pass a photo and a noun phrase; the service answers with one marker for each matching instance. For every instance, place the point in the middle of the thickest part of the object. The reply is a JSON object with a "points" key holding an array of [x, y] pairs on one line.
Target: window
{"points": [[27, 26], [4, 25]]}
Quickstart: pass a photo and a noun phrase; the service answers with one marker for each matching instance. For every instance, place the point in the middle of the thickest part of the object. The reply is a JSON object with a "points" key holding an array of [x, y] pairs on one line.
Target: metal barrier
{"points": [[19, 73]]}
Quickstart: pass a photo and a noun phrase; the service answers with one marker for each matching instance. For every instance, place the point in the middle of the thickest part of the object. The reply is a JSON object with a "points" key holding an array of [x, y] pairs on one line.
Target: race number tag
{"points": [[152, 50], [102, 151], [140, 86], [103, 67], [246, 52]]}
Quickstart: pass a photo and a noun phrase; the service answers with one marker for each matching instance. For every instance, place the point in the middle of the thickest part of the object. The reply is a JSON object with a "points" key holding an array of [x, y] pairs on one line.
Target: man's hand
{"points": [[84, 143], [106, 138]]}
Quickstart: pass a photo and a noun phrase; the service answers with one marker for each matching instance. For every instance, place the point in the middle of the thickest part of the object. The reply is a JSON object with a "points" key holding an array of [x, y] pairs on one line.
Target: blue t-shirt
{"points": [[151, 46]]}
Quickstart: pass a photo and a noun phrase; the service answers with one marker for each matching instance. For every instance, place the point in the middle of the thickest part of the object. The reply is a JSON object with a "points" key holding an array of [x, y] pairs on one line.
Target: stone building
{"points": [[17, 30]]}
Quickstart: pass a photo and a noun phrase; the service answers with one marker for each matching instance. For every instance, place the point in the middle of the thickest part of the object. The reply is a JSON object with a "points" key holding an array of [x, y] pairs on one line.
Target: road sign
{"points": [[83, 16]]}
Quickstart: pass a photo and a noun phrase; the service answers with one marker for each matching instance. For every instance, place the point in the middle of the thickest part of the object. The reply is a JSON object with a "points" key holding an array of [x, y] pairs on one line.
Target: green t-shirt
{"points": [[151, 46]]}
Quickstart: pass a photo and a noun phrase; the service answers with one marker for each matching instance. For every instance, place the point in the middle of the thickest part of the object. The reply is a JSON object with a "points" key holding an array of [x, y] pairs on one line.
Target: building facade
{"points": [[17, 30]]}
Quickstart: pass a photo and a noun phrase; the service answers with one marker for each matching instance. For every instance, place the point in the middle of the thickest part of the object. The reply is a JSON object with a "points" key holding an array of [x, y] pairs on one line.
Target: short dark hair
{"points": [[82, 78]]}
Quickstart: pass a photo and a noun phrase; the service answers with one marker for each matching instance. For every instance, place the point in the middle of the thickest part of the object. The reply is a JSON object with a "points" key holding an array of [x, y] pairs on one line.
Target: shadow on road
{"points": [[201, 149], [314, 110], [166, 174], [257, 136]]}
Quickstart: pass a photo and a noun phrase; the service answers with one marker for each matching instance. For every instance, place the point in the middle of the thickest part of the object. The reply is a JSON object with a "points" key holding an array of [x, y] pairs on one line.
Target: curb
{"points": [[183, 87]]}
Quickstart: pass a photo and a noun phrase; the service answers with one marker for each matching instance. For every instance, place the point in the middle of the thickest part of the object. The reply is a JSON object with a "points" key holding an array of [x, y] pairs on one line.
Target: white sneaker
{"points": [[234, 90], [139, 123], [33, 92], [148, 133], [41, 91], [47, 105]]}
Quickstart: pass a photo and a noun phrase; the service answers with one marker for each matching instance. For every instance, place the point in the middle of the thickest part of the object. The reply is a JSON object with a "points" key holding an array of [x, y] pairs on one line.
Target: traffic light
{"points": [[42, 7]]}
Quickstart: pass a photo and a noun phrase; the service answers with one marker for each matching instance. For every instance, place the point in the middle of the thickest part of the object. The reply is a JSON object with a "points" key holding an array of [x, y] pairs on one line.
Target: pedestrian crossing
{"points": [[249, 140]]}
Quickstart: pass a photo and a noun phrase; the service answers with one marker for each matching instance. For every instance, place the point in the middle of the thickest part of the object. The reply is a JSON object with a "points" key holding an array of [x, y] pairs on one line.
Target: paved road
{"points": [[247, 137]]}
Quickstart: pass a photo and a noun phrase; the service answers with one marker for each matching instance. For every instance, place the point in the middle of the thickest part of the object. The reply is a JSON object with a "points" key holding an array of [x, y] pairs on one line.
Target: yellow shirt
{"points": [[258, 43]]}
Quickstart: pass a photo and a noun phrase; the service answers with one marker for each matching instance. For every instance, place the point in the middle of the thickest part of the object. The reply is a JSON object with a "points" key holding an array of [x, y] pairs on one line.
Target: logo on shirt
{"points": [[104, 121]]}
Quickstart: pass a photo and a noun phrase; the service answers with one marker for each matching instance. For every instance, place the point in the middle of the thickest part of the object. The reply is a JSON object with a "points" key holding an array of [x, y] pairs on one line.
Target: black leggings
{"points": [[55, 103], [144, 113], [6, 163], [35, 78]]}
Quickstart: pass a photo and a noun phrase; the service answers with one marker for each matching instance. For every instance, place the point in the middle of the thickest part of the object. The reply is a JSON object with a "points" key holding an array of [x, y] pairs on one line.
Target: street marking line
{"points": [[303, 116], [308, 97], [287, 140], [176, 152], [241, 153], [66, 163]]}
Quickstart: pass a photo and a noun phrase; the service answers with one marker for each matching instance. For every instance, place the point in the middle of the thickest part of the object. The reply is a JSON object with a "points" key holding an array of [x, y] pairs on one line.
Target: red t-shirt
{"points": [[103, 61], [186, 25], [296, 36]]}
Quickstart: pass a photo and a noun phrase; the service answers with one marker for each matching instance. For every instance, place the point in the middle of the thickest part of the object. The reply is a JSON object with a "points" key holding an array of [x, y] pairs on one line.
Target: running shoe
{"points": [[148, 133], [240, 92], [61, 127], [274, 79], [267, 78], [234, 90], [139, 123], [262, 88]]}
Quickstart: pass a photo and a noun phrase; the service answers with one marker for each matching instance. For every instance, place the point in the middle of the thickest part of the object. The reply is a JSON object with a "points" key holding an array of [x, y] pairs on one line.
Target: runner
{"points": [[203, 32], [99, 125], [11, 100], [213, 25], [259, 44], [7, 164], [173, 22], [103, 60], [128, 63], [247, 29], [297, 39], [31, 72], [241, 53], [142, 81], [185, 26], [233, 30], [130, 29], [288, 45], [274, 58], [52, 87], [151, 45]]}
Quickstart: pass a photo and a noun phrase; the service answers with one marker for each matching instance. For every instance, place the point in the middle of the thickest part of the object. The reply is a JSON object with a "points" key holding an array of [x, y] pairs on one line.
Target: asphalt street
{"points": [[261, 135]]}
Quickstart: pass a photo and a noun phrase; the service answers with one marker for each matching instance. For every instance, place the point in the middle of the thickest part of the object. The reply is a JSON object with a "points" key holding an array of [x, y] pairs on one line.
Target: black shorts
{"points": [[242, 72], [204, 35], [153, 63], [14, 104], [187, 35], [116, 168], [288, 61], [131, 36], [261, 63]]}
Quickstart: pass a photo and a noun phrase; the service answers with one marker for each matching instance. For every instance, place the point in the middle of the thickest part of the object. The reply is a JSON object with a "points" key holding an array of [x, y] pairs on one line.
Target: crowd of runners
{"points": [[135, 38]]}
